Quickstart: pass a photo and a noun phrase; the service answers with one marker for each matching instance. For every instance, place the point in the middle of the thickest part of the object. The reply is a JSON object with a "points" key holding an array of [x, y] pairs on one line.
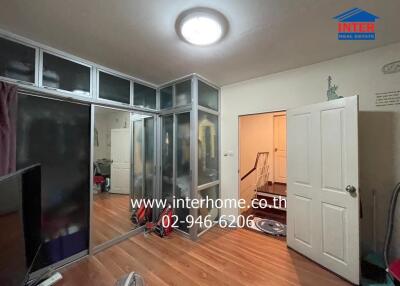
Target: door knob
{"points": [[351, 189]]}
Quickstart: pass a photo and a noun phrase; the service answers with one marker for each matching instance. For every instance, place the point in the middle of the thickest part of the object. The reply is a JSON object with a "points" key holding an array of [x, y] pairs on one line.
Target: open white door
{"points": [[120, 156], [323, 199], [279, 121]]}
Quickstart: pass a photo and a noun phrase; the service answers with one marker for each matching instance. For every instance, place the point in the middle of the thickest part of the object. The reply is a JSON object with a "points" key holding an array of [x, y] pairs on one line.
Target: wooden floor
{"points": [[220, 257], [111, 217]]}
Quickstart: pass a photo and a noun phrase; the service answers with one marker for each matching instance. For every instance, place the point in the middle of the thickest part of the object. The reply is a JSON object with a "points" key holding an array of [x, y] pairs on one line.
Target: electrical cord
{"points": [[390, 223]]}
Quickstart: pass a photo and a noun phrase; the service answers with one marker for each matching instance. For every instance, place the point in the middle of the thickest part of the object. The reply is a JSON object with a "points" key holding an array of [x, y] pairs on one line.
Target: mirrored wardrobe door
{"points": [[111, 211]]}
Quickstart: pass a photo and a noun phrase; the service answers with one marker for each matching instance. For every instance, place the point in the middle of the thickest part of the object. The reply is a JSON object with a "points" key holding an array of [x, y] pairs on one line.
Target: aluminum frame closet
{"points": [[200, 172], [178, 107]]}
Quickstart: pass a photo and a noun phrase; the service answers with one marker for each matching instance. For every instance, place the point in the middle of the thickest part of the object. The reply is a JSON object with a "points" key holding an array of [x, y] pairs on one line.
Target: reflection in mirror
{"points": [[112, 171], [208, 148]]}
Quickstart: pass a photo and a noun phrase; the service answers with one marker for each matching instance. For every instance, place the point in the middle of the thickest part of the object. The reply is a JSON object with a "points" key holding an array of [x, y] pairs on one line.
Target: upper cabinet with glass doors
{"points": [[166, 97], [144, 96], [208, 96], [66, 75], [17, 61], [114, 88], [177, 95]]}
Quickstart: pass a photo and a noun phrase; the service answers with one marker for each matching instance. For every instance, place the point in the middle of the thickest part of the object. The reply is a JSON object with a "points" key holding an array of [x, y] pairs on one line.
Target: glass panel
{"points": [[138, 184], [114, 88], [144, 96], [210, 209], [66, 75], [65, 162], [166, 97], [143, 156], [167, 157], [149, 157], [208, 148], [17, 61], [208, 96], [183, 178], [183, 93], [112, 175]]}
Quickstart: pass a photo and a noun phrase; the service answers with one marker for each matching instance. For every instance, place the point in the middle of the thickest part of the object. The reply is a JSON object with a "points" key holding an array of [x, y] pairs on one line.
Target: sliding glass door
{"points": [[175, 162], [56, 135], [167, 157], [111, 175], [208, 151], [123, 170], [183, 182], [143, 156]]}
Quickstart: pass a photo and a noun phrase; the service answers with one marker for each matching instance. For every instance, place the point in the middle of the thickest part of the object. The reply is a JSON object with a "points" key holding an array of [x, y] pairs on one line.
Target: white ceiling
{"points": [[138, 37]]}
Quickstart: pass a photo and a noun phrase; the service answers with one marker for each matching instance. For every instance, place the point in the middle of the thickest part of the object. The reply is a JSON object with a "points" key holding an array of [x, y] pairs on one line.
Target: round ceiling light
{"points": [[201, 26]]}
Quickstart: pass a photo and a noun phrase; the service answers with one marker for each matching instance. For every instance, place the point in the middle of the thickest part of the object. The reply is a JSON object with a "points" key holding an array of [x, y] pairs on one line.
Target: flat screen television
{"points": [[20, 224]]}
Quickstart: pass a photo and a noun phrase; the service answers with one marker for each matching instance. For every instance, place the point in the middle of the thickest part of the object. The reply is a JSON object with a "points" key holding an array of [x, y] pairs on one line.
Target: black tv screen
{"points": [[20, 224]]}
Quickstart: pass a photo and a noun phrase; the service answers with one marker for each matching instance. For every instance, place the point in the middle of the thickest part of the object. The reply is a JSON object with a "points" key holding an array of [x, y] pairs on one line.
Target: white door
{"points": [[280, 148], [120, 156], [323, 198]]}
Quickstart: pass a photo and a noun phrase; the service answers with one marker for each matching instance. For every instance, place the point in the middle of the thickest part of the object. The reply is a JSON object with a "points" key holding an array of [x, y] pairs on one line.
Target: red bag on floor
{"points": [[142, 214], [165, 221]]}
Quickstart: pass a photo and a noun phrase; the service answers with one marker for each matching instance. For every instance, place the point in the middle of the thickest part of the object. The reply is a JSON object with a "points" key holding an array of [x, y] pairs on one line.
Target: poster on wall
{"points": [[389, 98]]}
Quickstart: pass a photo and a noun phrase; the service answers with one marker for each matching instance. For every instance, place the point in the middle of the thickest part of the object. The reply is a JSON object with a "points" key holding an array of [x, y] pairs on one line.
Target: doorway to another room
{"points": [[262, 165]]}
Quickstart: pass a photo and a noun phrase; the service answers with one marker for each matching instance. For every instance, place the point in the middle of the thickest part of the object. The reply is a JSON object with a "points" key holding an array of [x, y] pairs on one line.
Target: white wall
{"points": [[379, 126]]}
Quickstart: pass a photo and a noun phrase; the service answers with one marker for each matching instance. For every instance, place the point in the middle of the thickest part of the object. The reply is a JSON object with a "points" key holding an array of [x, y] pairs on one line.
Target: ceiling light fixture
{"points": [[201, 26]]}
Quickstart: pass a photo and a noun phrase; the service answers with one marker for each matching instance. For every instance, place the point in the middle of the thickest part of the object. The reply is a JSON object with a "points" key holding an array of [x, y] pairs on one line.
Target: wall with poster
{"points": [[379, 119]]}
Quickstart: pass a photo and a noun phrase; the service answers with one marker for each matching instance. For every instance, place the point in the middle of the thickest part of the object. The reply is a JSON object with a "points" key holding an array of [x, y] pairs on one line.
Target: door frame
{"points": [[238, 150]]}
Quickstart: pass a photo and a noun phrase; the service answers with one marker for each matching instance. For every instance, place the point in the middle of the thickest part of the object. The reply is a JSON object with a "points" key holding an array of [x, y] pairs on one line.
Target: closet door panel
{"points": [[149, 157], [208, 160], [56, 135], [183, 183], [167, 145]]}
